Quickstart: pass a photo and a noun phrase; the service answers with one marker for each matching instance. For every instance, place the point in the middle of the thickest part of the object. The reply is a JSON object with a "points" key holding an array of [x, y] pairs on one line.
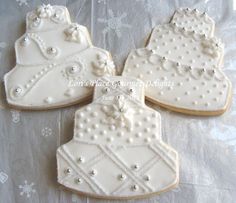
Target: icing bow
{"points": [[211, 47], [104, 66], [45, 11], [74, 33]]}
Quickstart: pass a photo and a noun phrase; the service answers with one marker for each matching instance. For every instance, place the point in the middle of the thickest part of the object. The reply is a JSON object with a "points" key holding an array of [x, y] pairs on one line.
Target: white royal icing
{"points": [[185, 65], [117, 151], [50, 56]]}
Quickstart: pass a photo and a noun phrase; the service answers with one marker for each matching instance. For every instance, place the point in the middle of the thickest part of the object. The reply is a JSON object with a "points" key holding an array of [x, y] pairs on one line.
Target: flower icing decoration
{"points": [[211, 47], [74, 33], [45, 11], [104, 66], [119, 114]]}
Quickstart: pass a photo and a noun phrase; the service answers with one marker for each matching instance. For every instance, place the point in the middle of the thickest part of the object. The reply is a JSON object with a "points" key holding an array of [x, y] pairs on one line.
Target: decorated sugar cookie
{"points": [[181, 66], [52, 58], [117, 151]]}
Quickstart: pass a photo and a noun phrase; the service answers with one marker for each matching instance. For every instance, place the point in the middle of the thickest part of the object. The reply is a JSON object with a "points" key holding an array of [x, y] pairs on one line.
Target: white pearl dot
{"points": [[112, 127], [95, 126], [147, 119], [80, 126], [130, 140], [187, 93], [80, 135], [103, 132], [87, 130], [177, 99], [138, 134], [110, 139], [120, 134], [87, 120], [81, 114], [208, 91], [140, 76], [94, 137], [148, 139]]}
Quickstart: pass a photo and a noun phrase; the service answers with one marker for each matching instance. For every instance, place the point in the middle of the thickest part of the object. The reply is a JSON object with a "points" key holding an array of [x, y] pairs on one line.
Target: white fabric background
{"points": [[28, 140]]}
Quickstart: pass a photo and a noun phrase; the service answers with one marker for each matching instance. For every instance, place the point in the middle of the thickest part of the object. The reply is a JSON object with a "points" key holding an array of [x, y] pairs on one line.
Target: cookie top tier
{"points": [[43, 24], [194, 20], [46, 17]]}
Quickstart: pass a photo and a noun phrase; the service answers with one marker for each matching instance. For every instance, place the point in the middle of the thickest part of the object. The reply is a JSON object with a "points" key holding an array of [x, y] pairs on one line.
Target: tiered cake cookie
{"points": [[117, 151], [182, 65], [53, 59]]}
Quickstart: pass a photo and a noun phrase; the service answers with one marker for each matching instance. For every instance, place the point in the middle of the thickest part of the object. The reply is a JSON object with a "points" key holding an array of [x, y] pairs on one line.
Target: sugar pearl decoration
{"points": [[48, 100], [135, 166], [80, 160], [25, 41], [68, 171], [134, 187], [121, 177], [78, 180], [147, 178], [93, 173], [18, 91], [51, 50]]}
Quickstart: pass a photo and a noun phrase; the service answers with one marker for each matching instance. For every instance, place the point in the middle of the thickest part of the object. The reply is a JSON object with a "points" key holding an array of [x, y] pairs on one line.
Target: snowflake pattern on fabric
{"points": [[226, 132], [46, 132], [74, 198], [102, 1], [22, 2], [146, 5], [15, 116], [3, 45], [27, 189], [3, 177], [114, 23]]}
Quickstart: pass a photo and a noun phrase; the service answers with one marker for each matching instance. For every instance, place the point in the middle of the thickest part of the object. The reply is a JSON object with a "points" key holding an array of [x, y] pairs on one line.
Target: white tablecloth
{"points": [[28, 140]]}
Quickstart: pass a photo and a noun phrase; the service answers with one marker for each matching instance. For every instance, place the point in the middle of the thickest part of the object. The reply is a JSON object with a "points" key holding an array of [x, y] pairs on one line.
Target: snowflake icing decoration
{"points": [[119, 113], [114, 23], [27, 189]]}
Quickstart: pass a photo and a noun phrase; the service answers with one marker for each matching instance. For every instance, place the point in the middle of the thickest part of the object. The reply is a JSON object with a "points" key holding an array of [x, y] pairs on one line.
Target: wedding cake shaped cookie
{"points": [[117, 151], [55, 60], [181, 65]]}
